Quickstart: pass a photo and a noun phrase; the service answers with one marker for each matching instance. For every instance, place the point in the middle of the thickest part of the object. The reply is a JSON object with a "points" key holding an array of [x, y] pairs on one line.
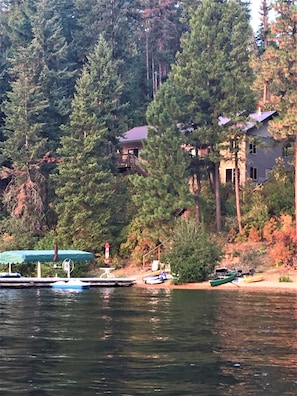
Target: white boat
{"points": [[10, 275], [73, 284], [153, 280]]}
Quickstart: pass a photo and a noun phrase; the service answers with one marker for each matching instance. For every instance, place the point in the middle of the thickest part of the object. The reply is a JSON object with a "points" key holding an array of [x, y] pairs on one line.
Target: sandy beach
{"points": [[269, 283]]}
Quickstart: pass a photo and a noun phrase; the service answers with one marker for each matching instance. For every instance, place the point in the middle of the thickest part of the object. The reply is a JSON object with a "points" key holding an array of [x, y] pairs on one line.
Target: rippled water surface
{"points": [[134, 341]]}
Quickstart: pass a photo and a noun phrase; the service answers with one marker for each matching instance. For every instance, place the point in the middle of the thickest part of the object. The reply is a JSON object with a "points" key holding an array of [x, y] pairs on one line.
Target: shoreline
{"points": [[268, 284], [263, 286]]}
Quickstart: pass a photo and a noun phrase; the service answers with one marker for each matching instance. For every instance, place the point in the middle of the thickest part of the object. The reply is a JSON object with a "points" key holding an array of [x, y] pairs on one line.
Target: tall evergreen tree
{"points": [[54, 69], [161, 31], [24, 145], [86, 182], [212, 78], [4, 64], [118, 22], [276, 68], [161, 196], [17, 24]]}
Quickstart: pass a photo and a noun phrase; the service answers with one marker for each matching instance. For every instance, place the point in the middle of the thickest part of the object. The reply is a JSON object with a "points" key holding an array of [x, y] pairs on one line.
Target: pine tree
{"points": [[276, 68], [212, 77], [16, 22], [54, 69], [86, 182], [161, 31], [24, 145], [161, 195]]}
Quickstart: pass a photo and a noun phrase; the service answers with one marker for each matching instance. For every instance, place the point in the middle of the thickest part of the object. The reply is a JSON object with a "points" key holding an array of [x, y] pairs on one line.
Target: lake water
{"points": [[135, 341]]}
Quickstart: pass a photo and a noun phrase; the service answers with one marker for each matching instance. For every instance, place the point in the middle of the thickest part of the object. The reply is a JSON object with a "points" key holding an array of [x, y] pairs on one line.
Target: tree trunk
{"points": [[218, 197], [147, 55], [197, 189], [237, 197], [295, 154]]}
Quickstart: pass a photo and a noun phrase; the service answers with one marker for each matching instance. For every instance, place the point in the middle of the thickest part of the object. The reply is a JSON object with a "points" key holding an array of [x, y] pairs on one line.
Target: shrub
{"points": [[284, 278], [254, 235], [269, 227], [285, 244], [193, 254], [280, 253]]}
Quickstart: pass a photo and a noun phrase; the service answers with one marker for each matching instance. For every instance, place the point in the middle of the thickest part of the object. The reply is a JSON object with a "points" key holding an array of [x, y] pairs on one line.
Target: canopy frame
{"points": [[37, 256]]}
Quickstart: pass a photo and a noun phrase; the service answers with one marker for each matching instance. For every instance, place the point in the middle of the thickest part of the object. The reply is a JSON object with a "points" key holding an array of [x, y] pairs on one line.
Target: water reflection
{"points": [[130, 341], [257, 338]]}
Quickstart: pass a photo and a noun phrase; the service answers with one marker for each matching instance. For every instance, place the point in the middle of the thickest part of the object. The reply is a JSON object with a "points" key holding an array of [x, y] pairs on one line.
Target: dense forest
{"points": [[76, 75]]}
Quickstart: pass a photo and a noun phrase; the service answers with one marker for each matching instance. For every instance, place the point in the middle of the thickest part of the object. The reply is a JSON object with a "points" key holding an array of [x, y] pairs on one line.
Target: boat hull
{"points": [[156, 279], [71, 285], [224, 279], [255, 278]]}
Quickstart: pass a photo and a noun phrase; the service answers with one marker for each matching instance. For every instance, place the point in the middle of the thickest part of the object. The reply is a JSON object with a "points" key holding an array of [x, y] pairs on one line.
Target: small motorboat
{"points": [[72, 284], [223, 279]]}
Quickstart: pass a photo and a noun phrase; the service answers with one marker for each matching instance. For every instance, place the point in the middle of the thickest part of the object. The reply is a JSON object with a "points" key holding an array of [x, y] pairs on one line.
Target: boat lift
{"points": [[68, 266], [39, 256]]}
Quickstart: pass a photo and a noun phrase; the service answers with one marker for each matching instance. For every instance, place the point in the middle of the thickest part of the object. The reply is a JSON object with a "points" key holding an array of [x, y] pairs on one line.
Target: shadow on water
{"points": [[134, 341]]}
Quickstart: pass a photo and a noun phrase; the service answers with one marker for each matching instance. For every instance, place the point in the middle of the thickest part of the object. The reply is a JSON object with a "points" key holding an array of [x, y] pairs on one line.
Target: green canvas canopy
{"points": [[34, 256]]}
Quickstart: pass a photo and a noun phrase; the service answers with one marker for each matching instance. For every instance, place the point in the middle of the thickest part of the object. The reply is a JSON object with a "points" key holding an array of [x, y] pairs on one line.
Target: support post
{"points": [[38, 269]]}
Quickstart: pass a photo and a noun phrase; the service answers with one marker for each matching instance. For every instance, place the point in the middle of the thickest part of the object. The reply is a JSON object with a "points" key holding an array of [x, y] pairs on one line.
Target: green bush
{"points": [[285, 278], [193, 254]]}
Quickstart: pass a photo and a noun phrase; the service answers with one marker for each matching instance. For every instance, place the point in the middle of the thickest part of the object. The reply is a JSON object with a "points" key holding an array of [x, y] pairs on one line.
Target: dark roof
{"points": [[135, 134]]}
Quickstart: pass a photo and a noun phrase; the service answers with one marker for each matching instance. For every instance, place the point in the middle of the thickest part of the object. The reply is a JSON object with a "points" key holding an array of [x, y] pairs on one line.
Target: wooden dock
{"points": [[23, 282]]}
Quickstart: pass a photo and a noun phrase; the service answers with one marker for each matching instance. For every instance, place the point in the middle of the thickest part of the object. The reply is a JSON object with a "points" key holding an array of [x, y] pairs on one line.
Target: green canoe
{"points": [[223, 279]]}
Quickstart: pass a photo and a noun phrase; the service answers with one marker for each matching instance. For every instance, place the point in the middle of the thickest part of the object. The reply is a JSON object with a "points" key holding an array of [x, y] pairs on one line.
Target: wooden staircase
{"points": [[130, 161]]}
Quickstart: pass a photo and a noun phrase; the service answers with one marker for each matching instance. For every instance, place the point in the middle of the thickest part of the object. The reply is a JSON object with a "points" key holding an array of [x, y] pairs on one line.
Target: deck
{"points": [[24, 282]]}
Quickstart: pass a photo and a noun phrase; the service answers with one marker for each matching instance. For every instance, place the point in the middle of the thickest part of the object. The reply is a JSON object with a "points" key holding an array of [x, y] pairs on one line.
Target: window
{"points": [[230, 175], [253, 173], [133, 151], [253, 148]]}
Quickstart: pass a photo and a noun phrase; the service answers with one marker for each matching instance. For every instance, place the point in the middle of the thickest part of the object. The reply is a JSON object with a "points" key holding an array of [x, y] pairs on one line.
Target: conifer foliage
{"points": [[276, 69], [211, 77], [24, 145], [86, 181], [164, 192], [76, 75]]}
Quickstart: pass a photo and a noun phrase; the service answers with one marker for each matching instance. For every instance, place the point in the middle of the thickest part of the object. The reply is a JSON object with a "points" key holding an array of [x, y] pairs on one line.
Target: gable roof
{"points": [[135, 134], [138, 134], [258, 117]]}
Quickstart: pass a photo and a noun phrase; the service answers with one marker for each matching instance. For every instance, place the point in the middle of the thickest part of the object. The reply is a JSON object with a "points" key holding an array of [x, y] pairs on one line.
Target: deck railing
{"points": [[157, 248], [130, 161]]}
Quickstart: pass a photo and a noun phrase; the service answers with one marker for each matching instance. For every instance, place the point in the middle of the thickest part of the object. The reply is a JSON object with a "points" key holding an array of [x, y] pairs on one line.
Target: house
{"points": [[255, 160], [130, 146]]}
